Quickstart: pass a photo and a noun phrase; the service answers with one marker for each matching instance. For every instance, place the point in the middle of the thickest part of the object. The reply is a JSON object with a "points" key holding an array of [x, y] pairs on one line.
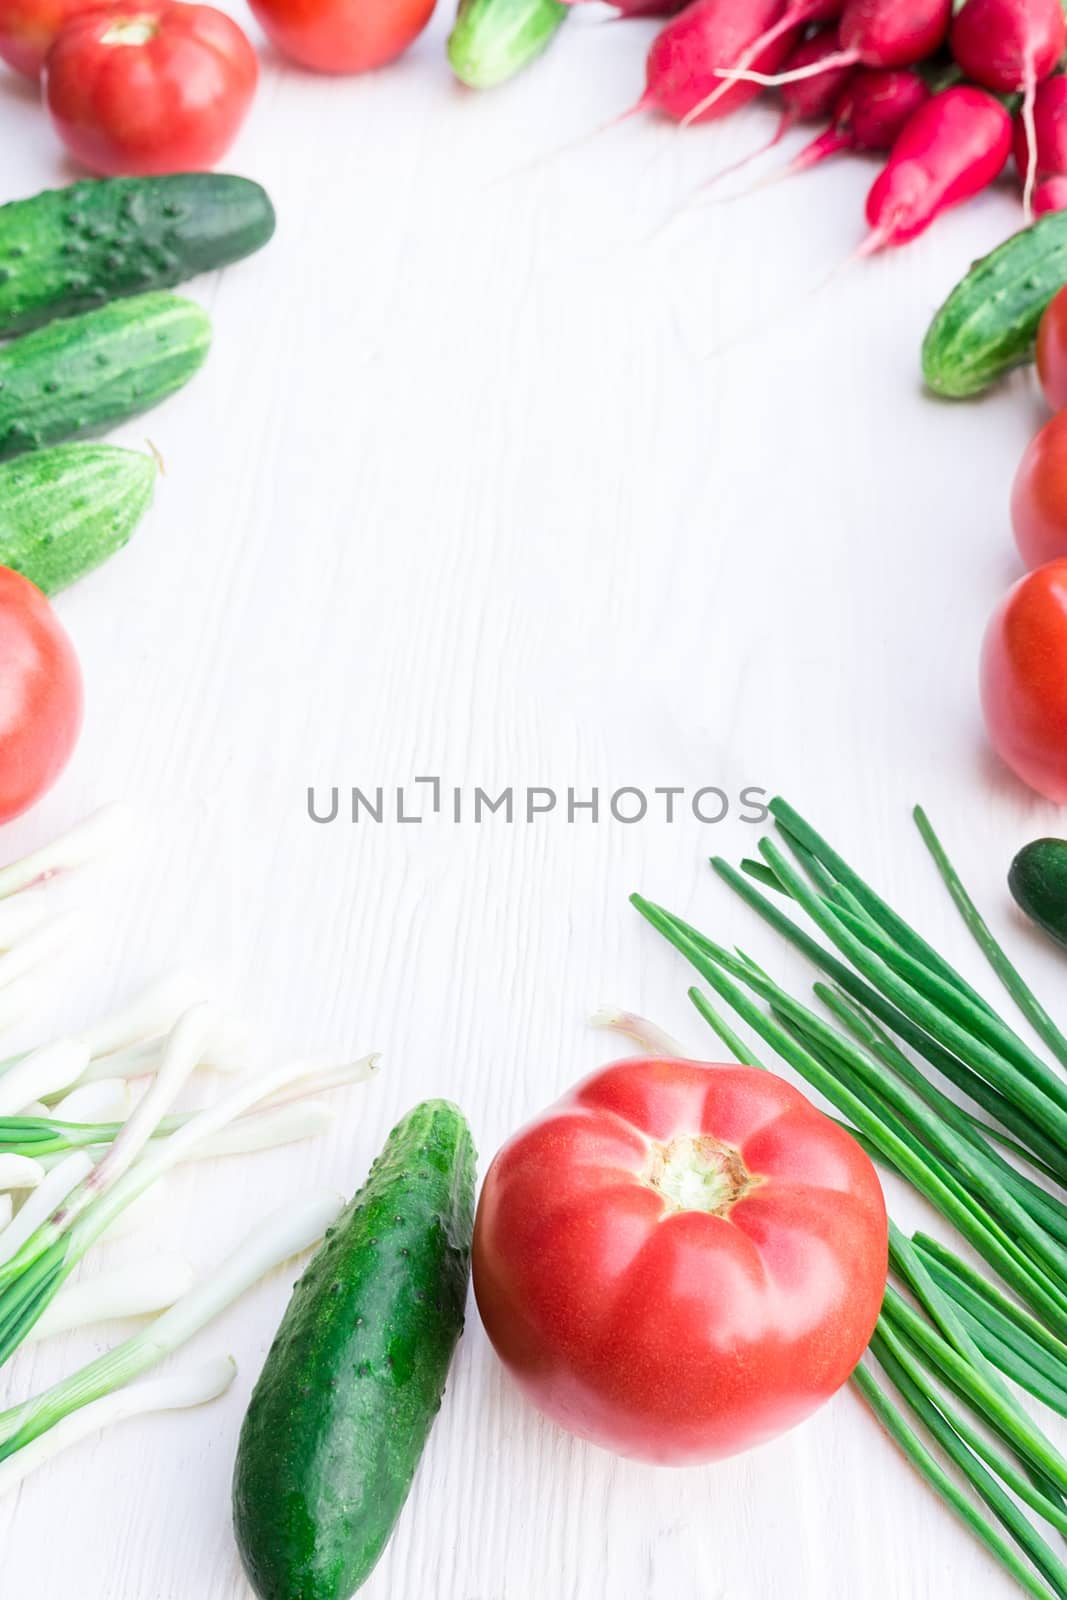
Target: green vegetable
{"points": [[1038, 880], [71, 249], [492, 40], [354, 1378], [82, 374], [65, 511], [988, 324]]}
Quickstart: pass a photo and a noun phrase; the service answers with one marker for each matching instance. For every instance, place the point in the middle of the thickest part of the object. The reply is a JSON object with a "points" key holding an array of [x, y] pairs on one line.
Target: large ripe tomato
{"points": [[342, 35], [1052, 351], [40, 695], [680, 1260], [1024, 680], [1039, 496], [142, 89], [27, 28]]}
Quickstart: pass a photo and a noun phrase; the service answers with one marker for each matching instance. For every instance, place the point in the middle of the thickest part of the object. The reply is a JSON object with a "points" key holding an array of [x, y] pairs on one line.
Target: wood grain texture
{"points": [[484, 480]]}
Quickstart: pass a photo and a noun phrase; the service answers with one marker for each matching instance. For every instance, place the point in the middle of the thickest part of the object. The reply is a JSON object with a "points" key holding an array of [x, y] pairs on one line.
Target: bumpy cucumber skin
{"points": [[492, 40], [988, 324], [1038, 881], [70, 249], [83, 374], [65, 511], [354, 1378]]}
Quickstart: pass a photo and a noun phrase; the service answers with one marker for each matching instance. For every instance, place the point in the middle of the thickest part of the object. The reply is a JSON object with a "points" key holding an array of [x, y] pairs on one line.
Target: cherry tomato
{"points": [[162, 87], [342, 35], [678, 1260], [1052, 351], [1024, 680], [27, 28], [1039, 496], [40, 695]]}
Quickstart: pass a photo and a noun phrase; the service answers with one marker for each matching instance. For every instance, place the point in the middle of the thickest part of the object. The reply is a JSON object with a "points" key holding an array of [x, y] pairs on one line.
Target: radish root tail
{"points": [[1030, 135], [745, 60], [773, 80]]}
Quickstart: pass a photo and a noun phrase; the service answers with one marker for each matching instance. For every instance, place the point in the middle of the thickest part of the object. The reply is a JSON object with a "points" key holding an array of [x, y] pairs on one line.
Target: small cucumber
{"points": [[1038, 881], [343, 1407], [65, 511], [988, 324], [70, 249], [492, 40], [82, 374]]}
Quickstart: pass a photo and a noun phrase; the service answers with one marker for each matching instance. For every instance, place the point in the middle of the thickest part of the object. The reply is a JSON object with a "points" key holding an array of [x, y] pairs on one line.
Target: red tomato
{"points": [[27, 28], [1039, 496], [40, 695], [1024, 680], [161, 87], [1052, 351], [342, 35], [678, 1261]]}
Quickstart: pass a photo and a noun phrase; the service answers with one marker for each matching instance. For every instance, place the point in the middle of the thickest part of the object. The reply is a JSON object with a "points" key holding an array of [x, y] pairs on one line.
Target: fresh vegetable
{"points": [[1039, 496], [1009, 46], [342, 36], [678, 1261], [354, 1378], [795, 16], [40, 695], [955, 1335], [82, 374], [1038, 882], [161, 87], [989, 323], [27, 29], [1024, 681], [684, 65], [1042, 158], [870, 113], [1050, 194], [876, 33], [69, 249], [1051, 350], [492, 40], [65, 511], [951, 148]]}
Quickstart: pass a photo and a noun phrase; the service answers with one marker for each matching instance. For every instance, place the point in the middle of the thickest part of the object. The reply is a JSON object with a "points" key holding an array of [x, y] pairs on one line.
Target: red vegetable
{"points": [[797, 15], [141, 89], [870, 113], [948, 150], [27, 28], [1045, 155], [40, 695], [1052, 351], [881, 33], [683, 65], [1010, 45], [678, 1260], [342, 36], [1039, 496], [1050, 194], [1024, 681]]}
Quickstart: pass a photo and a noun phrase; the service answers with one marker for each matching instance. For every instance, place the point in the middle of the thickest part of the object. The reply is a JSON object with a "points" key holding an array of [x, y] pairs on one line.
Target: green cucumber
{"points": [[354, 1378], [492, 40], [70, 249], [1038, 881], [988, 324], [65, 511], [82, 374]]}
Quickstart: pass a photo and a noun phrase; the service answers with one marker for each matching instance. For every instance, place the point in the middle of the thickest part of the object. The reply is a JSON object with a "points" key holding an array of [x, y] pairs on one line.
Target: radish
{"points": [[807, 100], [1047, 151], [1009, 46], [869, 114], [1050, 194], [687, 57], [947, 151], [797, 14], [874, 33]]}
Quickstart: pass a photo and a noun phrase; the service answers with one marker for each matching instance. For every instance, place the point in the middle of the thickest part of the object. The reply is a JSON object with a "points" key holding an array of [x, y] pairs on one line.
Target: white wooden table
{"points": [[482, 481]]}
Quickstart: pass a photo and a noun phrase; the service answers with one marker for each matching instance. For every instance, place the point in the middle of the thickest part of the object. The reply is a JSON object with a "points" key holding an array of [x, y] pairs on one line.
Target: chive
{"points": [[953, 1433], [1006, 971], [895, 1424], [950, 1066], [762, 874]]}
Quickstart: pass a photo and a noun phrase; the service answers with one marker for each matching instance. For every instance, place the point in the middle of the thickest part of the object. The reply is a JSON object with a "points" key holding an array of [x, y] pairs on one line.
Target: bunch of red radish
{"points": [[871, 70]]}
